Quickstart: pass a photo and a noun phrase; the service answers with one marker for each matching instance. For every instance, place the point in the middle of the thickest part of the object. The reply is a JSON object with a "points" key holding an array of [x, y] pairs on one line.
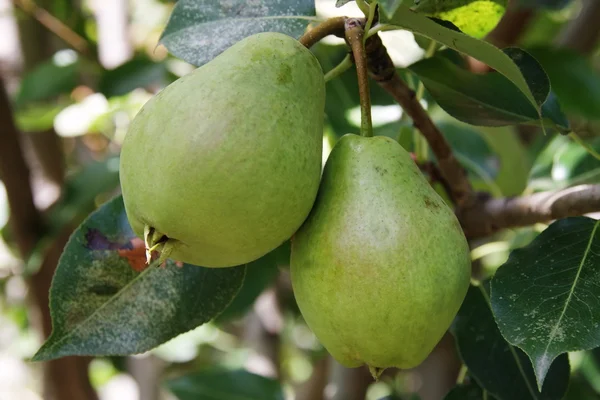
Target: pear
{"points": [[223, 165], [381, 265]]}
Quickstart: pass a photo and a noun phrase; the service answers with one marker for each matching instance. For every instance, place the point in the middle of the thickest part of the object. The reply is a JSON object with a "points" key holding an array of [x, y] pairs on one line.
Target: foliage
{"points": [[529, 325]]}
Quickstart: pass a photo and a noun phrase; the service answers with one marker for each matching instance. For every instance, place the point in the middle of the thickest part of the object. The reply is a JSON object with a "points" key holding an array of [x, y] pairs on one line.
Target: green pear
{"points": [[381, 265], [223, 165]]}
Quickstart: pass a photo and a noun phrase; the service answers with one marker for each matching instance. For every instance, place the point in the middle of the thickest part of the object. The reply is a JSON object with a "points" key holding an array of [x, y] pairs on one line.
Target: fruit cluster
{"points": [[224, 165]]}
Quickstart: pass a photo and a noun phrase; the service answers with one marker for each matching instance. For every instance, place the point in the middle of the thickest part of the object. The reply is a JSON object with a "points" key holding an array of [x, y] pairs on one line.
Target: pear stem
{"points": [[354, 36]]}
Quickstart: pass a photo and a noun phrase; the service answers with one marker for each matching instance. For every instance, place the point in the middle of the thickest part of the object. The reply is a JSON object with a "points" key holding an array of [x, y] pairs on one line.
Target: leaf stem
{"points": [[462, 374], [370, 18], [339, 69], [354, 36], [583, 144]]}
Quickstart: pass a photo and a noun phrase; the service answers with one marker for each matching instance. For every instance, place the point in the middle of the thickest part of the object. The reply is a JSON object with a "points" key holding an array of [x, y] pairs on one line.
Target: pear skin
{"points": [[381, 266], [223, 165]]}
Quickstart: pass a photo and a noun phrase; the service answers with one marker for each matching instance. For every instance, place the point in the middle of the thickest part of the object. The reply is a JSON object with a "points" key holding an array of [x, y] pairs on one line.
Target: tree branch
{"points": [[489, 215], [332, 26], [582, 33], [384, 73]]}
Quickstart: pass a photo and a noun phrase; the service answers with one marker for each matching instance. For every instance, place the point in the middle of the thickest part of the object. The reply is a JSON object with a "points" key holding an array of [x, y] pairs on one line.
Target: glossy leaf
{"points": [[485, 52], [563, 163], [104, 301], [485, 100], [569, 72], [222, 385], [199, 30], [475, 18], [503, 370], [546, 297]]}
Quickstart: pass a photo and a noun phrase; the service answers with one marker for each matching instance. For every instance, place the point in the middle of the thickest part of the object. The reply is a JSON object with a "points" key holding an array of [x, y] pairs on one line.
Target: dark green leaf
{"points": [[137, 73], [503, 370], [47, 80], [467, 391], [546, 298], [563, 163], [485, 100], [101, 304], [485, 52], [199, 30], [341, 3], [225, 385], [569, 72], [473, 17], [259, 275]]}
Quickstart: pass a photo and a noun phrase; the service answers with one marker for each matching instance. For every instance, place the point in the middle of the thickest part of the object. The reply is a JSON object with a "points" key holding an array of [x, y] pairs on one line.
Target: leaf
{"points": [[136, 73], [473, 17], [501, 369], [221, 385], [484, 100], [259, 275], [389, 7], [570, 71], [104, 301], [341, 3], [47, 80], [199, 30], [485, 52], [564, 163], [467, 391], [37, 117], [546, 297]]}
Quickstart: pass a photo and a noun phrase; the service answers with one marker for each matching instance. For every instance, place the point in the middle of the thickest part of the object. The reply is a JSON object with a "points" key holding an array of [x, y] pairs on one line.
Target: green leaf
{"points": [[47, 80], [501, 369], [467, 391], [485, 52], [259, 275], [473, 17], [389, 7], [225, 385], [36, 117], [546, 297], [199, 30], [103, 301], [569, 72], [137, 73], [564, 163], [484, 100]]}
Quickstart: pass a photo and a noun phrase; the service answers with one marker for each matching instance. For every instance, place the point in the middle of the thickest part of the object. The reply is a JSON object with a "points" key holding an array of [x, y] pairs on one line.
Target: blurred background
{"points": [[73, 74]]}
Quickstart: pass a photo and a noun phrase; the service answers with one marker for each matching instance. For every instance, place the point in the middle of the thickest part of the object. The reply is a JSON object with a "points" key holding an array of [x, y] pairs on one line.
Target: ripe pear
{"points": [[381, 265], [223, 165]]}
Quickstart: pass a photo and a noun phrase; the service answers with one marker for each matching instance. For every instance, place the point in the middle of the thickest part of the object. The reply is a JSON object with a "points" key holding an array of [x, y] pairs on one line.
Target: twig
{"points": [[54, 25], [489, 215], [332, 26], [354, 37], [384, 73]]}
